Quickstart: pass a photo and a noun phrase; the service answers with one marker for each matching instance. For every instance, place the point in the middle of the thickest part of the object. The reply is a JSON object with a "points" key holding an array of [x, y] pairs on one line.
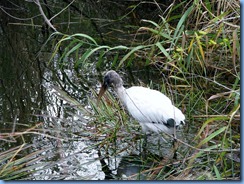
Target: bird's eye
{"points": [[107, 80]]}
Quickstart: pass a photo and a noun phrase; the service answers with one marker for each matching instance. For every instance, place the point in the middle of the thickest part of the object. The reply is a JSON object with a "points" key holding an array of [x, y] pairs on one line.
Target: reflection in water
{"points": [[63, 135], [22, 93], [131, 167]]}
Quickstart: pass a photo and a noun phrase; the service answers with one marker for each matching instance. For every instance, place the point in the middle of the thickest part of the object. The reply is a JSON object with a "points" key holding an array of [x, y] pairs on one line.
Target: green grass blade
{"points": [[159, 45], [209, 121], [211, 136], [217, 173], [72, 50], [129, 54], [86, 37], [151, 22], [181, 21]]}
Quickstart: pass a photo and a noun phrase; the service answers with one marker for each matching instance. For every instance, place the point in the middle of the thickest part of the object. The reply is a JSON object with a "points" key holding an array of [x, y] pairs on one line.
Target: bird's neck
{"points": [[121, 92]]}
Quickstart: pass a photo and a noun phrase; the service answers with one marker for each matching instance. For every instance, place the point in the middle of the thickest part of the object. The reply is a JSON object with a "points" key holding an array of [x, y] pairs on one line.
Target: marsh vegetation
{"points": [[53, 59]]}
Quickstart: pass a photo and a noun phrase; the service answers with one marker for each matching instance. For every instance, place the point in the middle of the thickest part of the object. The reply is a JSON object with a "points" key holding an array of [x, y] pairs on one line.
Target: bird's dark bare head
{"points": [[113, 79]]}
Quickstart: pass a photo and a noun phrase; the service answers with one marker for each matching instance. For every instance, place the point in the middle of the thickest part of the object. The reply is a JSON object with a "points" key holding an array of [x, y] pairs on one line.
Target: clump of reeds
{"points": [[200, 53], [195, 47]]}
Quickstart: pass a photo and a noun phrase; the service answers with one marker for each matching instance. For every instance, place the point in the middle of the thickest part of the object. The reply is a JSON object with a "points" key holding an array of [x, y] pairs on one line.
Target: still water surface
{"points": [[37, 92]]}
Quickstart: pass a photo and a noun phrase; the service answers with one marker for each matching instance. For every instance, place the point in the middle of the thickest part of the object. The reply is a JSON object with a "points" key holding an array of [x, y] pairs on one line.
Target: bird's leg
{"points": [[145, 143], [175, 145], [144, 131]]}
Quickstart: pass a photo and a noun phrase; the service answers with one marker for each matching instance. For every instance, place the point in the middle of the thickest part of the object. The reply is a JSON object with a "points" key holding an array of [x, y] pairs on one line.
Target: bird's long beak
{"points": [[102, 91]]}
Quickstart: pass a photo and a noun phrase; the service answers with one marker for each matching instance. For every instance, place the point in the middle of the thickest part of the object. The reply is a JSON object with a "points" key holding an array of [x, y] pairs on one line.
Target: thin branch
{"points": [[44, 16], [17, 18], [62, 10], [214, 116]]}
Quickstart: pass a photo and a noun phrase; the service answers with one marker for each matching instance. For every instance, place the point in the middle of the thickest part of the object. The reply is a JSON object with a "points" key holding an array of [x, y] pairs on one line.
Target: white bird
{"points": [[152, 109]]}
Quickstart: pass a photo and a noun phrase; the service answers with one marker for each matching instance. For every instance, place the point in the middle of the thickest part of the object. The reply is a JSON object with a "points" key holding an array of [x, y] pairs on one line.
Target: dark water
{"points": [[31, 85]]}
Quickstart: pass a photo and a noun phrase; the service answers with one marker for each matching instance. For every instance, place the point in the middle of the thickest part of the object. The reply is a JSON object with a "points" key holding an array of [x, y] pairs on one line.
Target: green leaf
{"points": [[217, 173], [152, 22], [88, 53], [128, 54], [73, 49], [119, 47], [100, 60], [182, 20], [115, 60], [159, 45], [86, 37], [180, 27], [209, 121], [211, 136]]}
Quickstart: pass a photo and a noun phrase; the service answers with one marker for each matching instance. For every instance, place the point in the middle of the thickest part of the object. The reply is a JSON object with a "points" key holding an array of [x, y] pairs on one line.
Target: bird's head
{"points": [[111, 78]]}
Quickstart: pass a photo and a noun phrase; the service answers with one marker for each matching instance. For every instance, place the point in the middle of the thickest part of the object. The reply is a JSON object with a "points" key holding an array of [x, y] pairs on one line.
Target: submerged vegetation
{"points": [[191, 53]]}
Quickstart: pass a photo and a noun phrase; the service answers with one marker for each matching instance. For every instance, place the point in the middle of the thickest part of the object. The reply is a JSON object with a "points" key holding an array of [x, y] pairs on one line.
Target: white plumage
{"points": [[152, 109]]}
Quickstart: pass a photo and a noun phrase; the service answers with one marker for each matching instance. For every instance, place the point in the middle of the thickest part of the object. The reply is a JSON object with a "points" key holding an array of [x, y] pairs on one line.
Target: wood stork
{"points": [[152, 109]]}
